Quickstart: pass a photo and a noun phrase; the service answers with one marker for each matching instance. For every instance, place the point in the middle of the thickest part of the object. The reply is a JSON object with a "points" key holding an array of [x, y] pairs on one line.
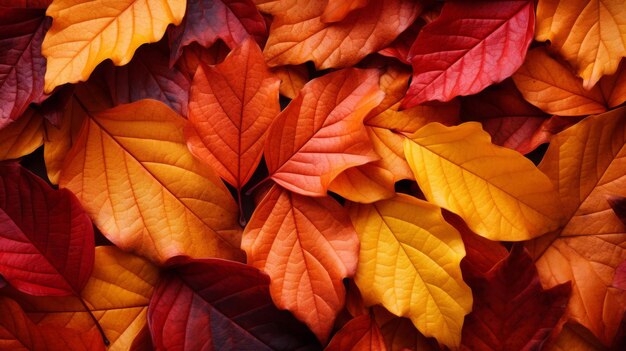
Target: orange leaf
{"points": [[307, 246], [230, 109], [366, 184], [321, 132], [359, 334], [292, 79], [126, 169], [337, 10], [614, 86], [298, 33], [590, 34], [21, 137]]}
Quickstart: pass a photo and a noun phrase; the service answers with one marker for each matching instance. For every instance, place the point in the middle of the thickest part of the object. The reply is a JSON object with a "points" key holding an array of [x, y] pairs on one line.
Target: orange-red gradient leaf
{"points": [[336, 10], [321, 131], [359, 334], [231, 107], [307, 246]]}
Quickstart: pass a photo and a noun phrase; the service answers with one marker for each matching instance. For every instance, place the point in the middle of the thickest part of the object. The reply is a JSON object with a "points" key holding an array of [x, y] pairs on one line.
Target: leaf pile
{"points": [[308, 175]]}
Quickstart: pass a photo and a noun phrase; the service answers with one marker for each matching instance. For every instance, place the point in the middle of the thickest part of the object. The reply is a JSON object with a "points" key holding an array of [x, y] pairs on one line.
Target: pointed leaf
{"points": [[21, 64], [590, 34], [46, 240], [85, 33], [359, 334], [221, 305], [321, 132], [511, 310], [21, 137], [232, 21], [307, 246], [586, 162], [231, 108], [126, 168], [298, 33], [408, 253], [483, 43]]}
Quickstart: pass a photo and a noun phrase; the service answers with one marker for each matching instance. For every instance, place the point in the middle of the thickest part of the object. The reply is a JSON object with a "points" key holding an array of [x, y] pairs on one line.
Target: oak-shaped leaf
{"points": [[221, 305], [46, 241], [85, 33], [321, 132], [22, 66], [408, 251], [499, 193], [511, 310], [18, 332], [586, 162], [360, 334], [126, 168], [469, 47], [231, 108], [206, 21], [299, 34], [307, 246]]}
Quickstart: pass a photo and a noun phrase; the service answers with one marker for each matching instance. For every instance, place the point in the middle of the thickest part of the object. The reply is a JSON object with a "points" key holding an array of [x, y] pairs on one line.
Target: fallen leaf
{"points": [[321, 132], [221, 305], [298, 33], [590, 34], [407, 252], [21, 137], [469, 47], [499, 193], [46, 240], [83, 34], [126, 168], [359, 334], [307, 246]]}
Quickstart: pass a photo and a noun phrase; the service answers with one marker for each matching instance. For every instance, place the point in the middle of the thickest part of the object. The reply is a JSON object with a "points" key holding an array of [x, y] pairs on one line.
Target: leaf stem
{"points": [[242, 217], [104, 337]]}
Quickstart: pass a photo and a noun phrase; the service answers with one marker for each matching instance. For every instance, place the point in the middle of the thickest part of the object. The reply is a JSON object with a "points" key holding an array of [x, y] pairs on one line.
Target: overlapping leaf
{"points": [[126, 168], [361, 333], [21, 137], [307, 246]]}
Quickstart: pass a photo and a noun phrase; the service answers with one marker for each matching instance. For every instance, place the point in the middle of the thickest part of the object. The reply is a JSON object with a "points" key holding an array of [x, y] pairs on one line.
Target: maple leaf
{"points": [[307, 246], [226, 306], [85, 33], [490, 39]]}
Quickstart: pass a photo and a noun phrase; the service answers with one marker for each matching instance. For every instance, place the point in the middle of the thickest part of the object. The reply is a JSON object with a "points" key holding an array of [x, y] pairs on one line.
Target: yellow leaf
{"points": [[409, 262], [590, 34], [126, 169], [499, 193], [85, 33], [21, 137]]}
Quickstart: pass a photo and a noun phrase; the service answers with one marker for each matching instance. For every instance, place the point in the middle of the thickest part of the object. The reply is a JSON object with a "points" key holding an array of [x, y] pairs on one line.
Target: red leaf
{"points": [[470, 46], [511, 309], [26, 4], [46, 240], [208, 20], [321, 131], [619, 280], [17, 332], [400, 47], [221, 305], [359, 334], [22, 67]]}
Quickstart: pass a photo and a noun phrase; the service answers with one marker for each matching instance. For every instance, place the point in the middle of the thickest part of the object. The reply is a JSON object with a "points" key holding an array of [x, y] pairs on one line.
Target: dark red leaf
{"points": [[46, 240], [215, 304], [511, 310], [359, 334], [22, 67], [470, 46], [232, 21], [26, 4]]}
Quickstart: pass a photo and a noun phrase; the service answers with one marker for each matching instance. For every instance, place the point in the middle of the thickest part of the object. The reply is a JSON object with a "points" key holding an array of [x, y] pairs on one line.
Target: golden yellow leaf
{"points": [[21, 137], [365, 184], [85, 33], [590, 34], [499, 193], [409, 262], [126, 169]]}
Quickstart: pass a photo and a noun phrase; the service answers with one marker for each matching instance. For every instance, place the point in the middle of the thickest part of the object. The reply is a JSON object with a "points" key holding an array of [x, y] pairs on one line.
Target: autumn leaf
{"points": [[591, 35], [292, 79], [125, 169], [469, 47], [400, 268], [21, 64], [225, 306], [298, 32], [574, 337], [337, 10], [307, 246], [321, 133], [511, 310], [592, 243], [21, 137], [230, 114], [232, 21], [361, 333], [400, 333], [618, 204], [46, 239], [500, 194], [85, 33]]}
